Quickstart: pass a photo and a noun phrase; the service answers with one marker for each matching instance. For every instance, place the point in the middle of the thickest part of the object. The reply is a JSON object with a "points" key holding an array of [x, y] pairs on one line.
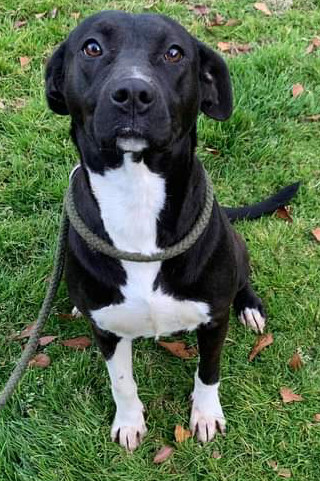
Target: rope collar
{"points": [[101, 245]]}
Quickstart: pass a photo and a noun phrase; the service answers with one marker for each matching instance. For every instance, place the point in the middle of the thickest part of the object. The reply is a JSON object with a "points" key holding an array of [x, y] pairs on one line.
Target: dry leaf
{"points": [[283, 213], [217, 21], [2, 105], [284, 473], [315, 43], [273, 464], [45, 340], [179, 349], [75, 15], [181, 434], [261, 343], [232, 22], [288, 396], [316, 418], [212, 151], [18, 103], [40, 360], [316, 234], [24, 61], [40, 15], [262, 7], [201, 10], [311, 118], [65, 316], [296, 362], [234, 48], [25, 333], [297, 90], [216, 455], [77, 342], [53, 12], [19, 23], [164, 453]]}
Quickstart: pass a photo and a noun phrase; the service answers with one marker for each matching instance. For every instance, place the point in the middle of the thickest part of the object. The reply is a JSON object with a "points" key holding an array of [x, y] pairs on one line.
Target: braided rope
{"points": [[71, 216], [101, 245]]}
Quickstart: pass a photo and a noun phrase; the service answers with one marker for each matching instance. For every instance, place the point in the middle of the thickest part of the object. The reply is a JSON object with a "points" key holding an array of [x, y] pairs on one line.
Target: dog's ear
{"points": [[215, 84], [54, 78]]}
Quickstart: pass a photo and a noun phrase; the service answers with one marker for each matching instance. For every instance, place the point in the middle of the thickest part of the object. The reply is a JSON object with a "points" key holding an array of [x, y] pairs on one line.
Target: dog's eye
{"points": [[174, 54], [92, 49]]}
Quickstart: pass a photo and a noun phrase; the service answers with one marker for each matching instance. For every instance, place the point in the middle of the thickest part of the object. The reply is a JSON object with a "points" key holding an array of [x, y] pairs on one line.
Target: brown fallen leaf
{"points": [[54, 12], [314, 44], [262, 342], [316, 234], [75, 15], [180, 349], [283, 213], [45, 340], [212, 151], [181, 434], [273, 464], [216, 455], [234, 48], [284, 473], [217, 21], [81, 342], [25, 333], [24, 61], [20, 23], [288, 396], [65, 316], [2, 105], [297, 90], [201, 10], [164, 453], [311, 118], [232, 22], [40, 360], [262, 7], [316, 418], [296, 362], [18, 103], [40, 15]]}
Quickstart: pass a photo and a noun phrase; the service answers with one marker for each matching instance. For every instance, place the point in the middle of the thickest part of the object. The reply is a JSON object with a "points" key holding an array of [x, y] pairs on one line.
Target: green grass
{"points": [[56, 428]]}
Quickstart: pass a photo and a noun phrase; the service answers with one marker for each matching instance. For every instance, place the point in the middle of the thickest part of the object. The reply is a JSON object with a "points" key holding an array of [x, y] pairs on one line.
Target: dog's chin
{"points": [[132, 144]]}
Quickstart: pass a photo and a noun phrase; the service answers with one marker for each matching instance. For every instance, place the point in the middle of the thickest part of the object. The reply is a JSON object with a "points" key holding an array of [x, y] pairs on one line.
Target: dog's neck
{"points": [[178, 166]]}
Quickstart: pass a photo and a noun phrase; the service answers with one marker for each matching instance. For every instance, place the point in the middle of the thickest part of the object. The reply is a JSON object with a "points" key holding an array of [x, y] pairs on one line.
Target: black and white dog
{"points": [[133, 86]]}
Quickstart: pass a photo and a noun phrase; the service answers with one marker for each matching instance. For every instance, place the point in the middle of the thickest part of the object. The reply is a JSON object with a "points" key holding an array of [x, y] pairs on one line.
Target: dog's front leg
{"points": [[206, 415], [128, 426]]}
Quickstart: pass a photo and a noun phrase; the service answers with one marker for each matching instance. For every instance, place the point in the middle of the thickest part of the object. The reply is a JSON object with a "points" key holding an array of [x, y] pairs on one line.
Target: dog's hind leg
{"points": [[249, 309], [206, 415], [128, 426]]}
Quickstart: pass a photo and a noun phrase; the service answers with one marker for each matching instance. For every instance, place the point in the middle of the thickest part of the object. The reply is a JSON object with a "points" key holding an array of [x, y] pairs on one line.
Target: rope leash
{"points": [[71, 216]]}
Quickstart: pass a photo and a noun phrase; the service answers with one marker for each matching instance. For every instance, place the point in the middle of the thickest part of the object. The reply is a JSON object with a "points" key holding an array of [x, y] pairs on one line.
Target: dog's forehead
{"points": [[140, 27]]}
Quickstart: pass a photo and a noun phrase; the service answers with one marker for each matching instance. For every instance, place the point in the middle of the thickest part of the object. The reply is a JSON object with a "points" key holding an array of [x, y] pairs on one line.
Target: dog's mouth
{"points": [[132, 144]]}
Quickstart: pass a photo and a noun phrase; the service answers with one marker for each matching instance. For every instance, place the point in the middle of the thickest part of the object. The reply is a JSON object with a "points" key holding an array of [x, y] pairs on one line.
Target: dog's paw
{"points": [[76, 313], [253, 318], [129, 434], [206, 424]]}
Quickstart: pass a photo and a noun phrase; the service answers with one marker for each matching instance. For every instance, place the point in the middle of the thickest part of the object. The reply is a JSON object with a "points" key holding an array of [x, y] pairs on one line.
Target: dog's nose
{"points": [[134, 93]]}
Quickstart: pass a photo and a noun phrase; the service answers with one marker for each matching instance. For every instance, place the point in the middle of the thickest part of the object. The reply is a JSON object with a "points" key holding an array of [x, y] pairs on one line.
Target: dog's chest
{"points": [[130, 199]]}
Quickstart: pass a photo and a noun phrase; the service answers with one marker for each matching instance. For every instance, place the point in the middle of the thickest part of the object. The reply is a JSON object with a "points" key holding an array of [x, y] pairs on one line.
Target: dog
{"points": [[134, 86]]}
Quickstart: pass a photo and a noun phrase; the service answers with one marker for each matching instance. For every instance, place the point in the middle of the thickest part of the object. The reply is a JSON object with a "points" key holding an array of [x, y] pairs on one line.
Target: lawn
{"points": [[56, 427]]}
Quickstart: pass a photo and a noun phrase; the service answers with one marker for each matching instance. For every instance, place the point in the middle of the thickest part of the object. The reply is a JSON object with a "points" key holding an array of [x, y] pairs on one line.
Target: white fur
{"points": [[252, 318], [130, 200], [206, 414], [128, 423], [131, 144]]}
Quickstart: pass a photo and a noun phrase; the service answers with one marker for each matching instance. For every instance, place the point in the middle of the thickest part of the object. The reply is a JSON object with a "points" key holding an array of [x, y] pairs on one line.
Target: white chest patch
{"points": [[130, 199]]}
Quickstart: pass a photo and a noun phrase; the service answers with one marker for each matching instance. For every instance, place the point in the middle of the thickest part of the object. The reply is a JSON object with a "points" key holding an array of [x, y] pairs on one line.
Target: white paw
{"points": [[206, 414], [129, 432], [206, 424], [76, 313], [252, 318]]}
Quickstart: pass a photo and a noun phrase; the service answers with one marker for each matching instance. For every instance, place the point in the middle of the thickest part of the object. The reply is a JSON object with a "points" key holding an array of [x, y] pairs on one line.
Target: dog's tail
{"points": [[271, 204]]}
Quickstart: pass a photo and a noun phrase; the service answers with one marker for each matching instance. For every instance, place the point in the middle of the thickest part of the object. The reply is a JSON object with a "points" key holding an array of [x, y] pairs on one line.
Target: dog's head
{"points": [[136, 81]]}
